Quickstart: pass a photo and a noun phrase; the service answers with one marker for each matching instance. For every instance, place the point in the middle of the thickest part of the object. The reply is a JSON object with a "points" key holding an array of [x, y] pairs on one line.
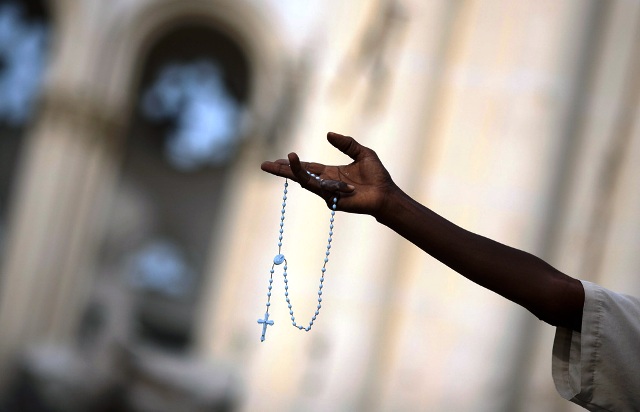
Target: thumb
{"points": [[346, 145]]}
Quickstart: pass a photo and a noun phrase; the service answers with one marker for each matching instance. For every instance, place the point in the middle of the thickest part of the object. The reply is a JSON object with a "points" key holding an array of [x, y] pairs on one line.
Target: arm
{"points": [[365, 186]]}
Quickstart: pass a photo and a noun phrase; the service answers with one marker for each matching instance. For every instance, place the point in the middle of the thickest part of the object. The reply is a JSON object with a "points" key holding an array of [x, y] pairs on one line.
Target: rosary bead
{"points": [[268, 303], [279, 244], [289, 306], [319, 292], [319, 306], [270, 287], [290, 312], [269, 294], [293, 319], [317, 313], [270, 280], [319, 299], [327, 253], [323, 270], [321, 286]]}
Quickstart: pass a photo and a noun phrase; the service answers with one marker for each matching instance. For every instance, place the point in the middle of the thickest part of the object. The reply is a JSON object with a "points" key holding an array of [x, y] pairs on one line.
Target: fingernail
{"points": [[351, 187]]}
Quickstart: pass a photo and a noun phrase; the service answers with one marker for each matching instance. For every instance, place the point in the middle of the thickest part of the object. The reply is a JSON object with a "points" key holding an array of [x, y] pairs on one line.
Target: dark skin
{"points": [[364, 186]]}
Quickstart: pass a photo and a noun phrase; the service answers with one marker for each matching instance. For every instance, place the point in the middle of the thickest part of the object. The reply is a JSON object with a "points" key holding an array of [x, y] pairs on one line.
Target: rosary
{"points": [[280, 259]]}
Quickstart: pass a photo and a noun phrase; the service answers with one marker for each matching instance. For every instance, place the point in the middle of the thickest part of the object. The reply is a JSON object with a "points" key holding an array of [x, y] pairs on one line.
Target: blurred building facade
{"points": [[135, 222]]}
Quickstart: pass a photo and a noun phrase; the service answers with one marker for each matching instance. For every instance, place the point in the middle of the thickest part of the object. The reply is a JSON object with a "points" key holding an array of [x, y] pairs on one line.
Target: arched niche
{"points": [[242, 21], [193, 100], [25, 39]]}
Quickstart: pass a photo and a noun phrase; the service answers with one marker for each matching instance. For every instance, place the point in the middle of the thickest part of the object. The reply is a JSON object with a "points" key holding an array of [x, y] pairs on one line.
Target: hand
{"points": [[362, 186]]}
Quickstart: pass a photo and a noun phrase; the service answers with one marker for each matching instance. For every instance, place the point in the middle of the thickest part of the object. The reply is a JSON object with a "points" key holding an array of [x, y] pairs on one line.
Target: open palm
{"points": [[362, 186]]}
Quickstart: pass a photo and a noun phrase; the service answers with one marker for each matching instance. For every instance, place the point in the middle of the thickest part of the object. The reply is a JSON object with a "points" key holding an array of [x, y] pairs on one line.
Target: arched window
{"points": [[24, 39], [193, 89], [185, 133]]}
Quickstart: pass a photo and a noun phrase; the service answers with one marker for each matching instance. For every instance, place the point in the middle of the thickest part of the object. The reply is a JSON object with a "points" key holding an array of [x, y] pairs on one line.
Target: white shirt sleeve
{"points": [[599, 367]]}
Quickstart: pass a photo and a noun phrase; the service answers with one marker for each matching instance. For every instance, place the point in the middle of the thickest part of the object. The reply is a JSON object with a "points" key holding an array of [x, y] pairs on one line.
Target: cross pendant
{"points": [[264, 323]]}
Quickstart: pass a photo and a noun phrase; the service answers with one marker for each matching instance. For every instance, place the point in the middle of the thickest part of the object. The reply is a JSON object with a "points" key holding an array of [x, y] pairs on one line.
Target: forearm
{"points": [[518, 276]]}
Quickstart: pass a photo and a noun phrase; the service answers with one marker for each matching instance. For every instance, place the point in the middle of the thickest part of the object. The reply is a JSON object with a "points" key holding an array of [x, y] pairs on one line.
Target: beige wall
{"points": [[474, 118]]}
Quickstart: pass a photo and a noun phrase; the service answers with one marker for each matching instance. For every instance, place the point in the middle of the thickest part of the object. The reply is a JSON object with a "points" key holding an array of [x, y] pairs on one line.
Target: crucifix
{"points": [[265, 322]]}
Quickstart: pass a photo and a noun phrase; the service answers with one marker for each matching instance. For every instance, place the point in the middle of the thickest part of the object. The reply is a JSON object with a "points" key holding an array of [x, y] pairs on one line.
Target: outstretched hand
{"points": [[362, 186]]}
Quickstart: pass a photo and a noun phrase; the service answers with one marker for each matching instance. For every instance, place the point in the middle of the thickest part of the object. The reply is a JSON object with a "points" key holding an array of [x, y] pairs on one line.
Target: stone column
{"points": [[67, 167]]}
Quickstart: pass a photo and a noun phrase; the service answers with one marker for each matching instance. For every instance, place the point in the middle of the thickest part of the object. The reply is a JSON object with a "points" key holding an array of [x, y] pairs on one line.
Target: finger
{"points": [[279, 168], [336, 186], [300, 174], [316, 168], [346, 145]]}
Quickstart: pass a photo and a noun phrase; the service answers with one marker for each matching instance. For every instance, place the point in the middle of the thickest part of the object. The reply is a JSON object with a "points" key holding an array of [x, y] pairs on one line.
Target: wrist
{"points": [[391, 202]]}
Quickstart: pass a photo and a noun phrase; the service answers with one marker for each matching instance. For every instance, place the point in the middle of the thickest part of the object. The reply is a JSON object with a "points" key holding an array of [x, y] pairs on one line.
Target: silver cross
{"points": [[265, 322]]}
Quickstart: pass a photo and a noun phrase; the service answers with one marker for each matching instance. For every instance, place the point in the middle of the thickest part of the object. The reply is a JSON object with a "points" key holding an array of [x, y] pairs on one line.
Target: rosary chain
{"points": [[279, 259]]}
